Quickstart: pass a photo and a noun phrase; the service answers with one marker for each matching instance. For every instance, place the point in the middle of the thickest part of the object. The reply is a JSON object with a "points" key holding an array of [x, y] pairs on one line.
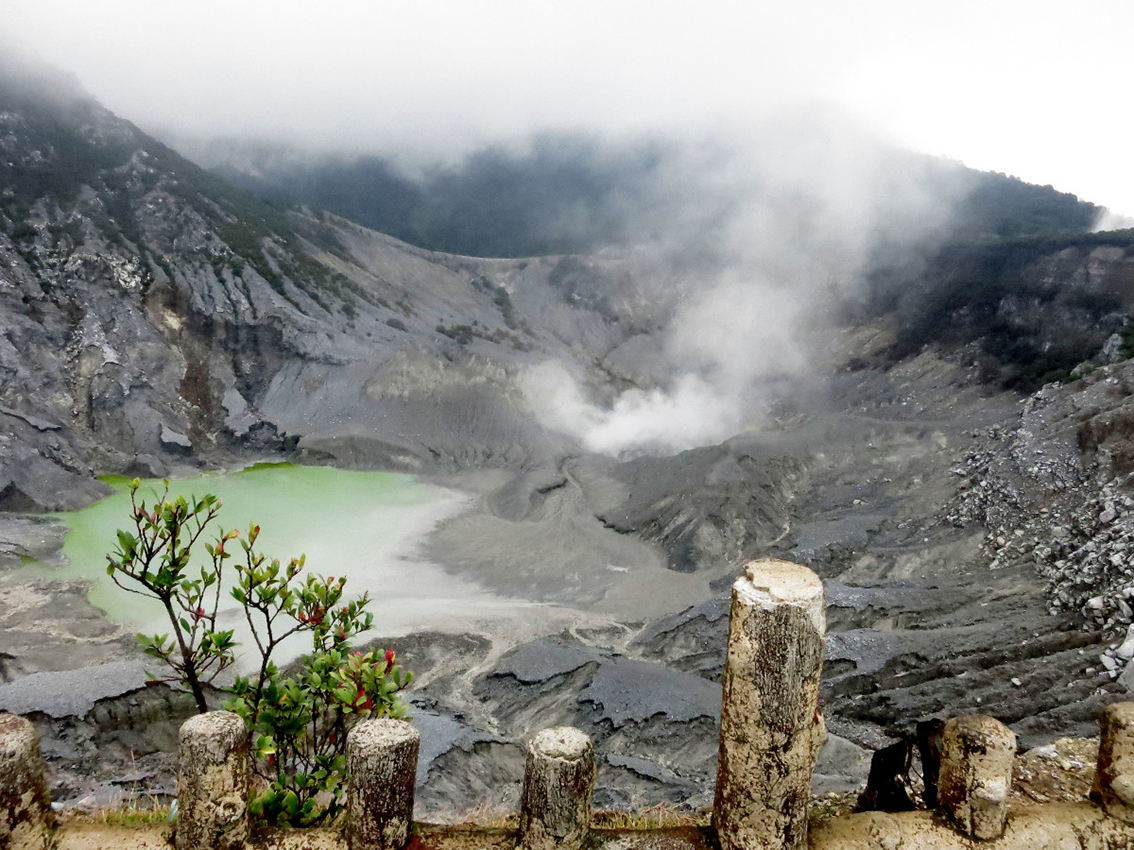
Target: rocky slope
{"points": [[154, 315]]}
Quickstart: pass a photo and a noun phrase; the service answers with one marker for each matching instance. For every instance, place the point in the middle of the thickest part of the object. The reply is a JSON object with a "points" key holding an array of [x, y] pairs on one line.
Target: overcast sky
{"points": [[1038, 89]]}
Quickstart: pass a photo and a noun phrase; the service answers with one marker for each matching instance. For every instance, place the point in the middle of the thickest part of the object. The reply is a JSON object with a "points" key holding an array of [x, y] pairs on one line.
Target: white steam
{"points": [[1108, 220], [732, 339], [689, 412], [807, 201]]}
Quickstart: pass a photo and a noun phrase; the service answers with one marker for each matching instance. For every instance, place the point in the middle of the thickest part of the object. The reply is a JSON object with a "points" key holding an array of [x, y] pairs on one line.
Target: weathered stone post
{"points": [[559, 784], [25, 806], [771, 728], [975, 775], [212, 782], [381, 757], [1114, 775]]}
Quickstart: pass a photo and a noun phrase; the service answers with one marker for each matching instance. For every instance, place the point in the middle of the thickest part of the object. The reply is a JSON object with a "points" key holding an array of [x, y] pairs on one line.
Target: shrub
{"points": [[155, 557], [24, 231], [298, 719]]}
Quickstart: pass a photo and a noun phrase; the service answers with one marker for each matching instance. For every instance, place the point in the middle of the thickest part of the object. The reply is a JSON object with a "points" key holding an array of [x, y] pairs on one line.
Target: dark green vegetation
{"points": [[560, 194], [1018, 304], [1002, 206]]}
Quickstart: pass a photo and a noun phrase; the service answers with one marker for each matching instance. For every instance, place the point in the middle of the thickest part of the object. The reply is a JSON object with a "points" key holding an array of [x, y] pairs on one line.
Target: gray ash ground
{"points": [[909, 510]]}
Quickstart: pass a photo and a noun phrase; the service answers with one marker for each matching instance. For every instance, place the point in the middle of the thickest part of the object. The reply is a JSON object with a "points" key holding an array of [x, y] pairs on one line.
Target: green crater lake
{"points": [[362, 525]]}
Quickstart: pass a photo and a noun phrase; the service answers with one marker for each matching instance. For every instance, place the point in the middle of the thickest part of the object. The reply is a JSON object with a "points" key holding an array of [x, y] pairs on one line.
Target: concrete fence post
{"points": [[559, 784], [771, 728], [975, 776], [213, 767], [25, 806], [381, 758], [1114, 775]]}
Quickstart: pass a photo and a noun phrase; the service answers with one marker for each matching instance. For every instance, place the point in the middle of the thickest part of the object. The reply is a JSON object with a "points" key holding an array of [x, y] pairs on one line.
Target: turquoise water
{"points": [[362, 525]]}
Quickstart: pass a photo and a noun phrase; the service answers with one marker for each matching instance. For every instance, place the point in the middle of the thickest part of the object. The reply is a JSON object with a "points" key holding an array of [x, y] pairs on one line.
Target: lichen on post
{"points": [[381, 758], [975, 776], [559, 783], [212, 782], [1114, 774], [771, 727], [25, 806]]}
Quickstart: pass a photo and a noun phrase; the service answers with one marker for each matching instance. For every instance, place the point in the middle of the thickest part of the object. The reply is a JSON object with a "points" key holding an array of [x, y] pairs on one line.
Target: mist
{"points": [[1004, 86], [810, 198]]}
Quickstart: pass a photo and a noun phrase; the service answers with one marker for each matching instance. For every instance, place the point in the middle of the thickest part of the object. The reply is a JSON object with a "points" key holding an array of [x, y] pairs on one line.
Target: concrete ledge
{"points": [[1051, 826], [425, 837]]}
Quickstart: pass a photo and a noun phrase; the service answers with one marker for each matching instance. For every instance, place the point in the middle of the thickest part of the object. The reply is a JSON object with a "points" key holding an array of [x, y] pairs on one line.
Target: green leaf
{"points": [[291, 803], [344, 695], [235, 705]]}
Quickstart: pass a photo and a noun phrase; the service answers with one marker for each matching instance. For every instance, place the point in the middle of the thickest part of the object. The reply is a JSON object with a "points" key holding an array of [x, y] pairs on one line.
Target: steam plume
{"points": [[807, 199]]}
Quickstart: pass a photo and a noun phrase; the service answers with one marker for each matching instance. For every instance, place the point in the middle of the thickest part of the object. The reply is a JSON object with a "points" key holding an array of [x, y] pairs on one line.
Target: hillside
{"points": [[1027, 310], [155, 313], [564, 193]]}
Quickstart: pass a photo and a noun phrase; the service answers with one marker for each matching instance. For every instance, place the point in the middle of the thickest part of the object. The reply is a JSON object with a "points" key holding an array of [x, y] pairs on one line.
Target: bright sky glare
{"points": [[1038, 89]]}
